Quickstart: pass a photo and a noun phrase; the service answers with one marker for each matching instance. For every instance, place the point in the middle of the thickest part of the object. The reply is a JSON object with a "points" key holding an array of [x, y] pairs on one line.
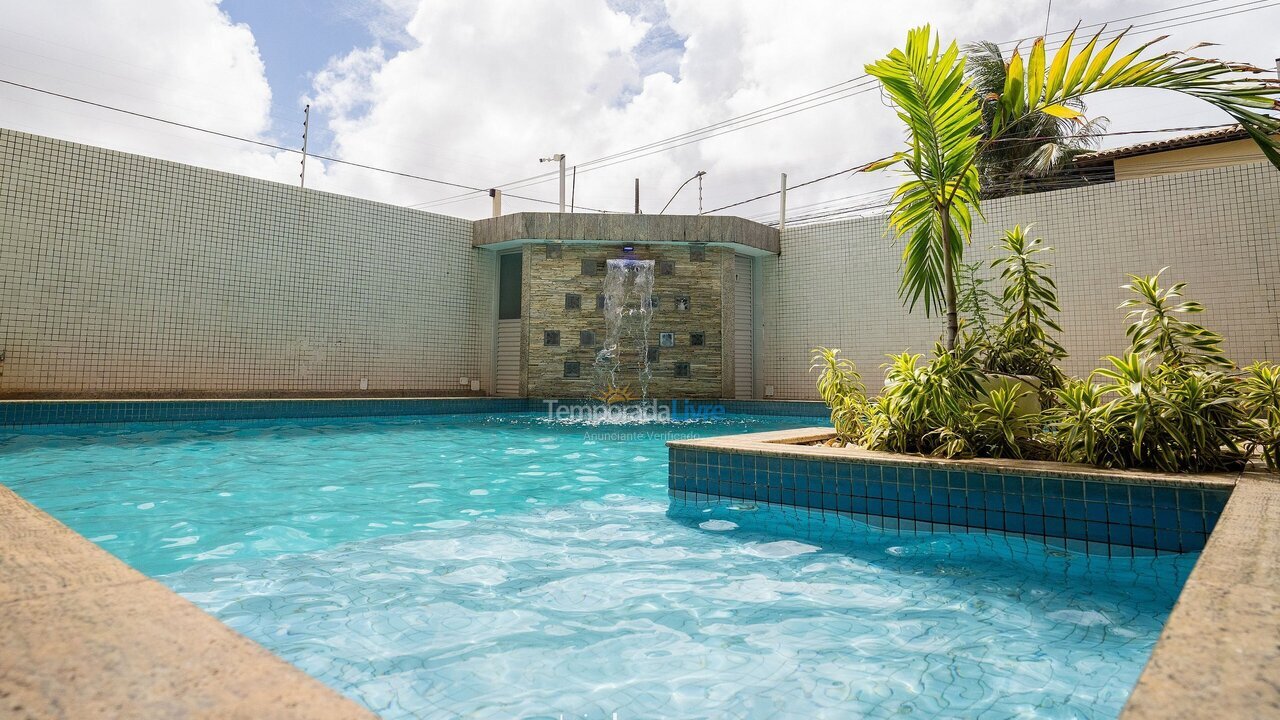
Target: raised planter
{"points": [[1077, 507]]}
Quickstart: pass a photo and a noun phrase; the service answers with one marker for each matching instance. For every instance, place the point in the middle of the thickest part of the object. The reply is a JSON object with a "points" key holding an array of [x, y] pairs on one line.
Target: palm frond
{"points": [[1244, 92], [939, 199]]}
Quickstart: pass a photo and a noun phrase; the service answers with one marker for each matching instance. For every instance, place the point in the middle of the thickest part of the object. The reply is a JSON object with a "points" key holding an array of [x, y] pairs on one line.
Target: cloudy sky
{"points": [[473, 92]]}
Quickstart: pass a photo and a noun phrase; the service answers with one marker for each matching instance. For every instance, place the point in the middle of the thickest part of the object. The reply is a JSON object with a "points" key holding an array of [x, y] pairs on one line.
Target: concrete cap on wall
{"points": [[529, 227]]}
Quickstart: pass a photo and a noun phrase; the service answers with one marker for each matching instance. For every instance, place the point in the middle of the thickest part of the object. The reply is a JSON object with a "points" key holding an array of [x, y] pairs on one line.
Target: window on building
{"points": [[509, 274]]}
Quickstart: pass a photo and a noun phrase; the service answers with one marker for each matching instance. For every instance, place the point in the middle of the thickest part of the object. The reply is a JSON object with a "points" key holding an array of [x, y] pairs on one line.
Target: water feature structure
{"points": [[628, 310]]}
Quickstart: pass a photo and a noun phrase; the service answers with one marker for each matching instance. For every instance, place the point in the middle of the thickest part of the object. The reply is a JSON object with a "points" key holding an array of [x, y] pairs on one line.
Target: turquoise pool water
{"points": [[509, 566]]}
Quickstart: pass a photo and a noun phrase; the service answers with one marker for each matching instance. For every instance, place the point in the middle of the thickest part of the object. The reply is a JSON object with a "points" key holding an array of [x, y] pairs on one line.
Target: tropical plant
{"points": [[935, 205], [840, 387], [934, 407], [998, 426], [1039, 145], [1169, 403], [1081, 427], [923, 408], [1023, 344], [1260, 398], [976, 304], [1157, 327], [1174, 419]]}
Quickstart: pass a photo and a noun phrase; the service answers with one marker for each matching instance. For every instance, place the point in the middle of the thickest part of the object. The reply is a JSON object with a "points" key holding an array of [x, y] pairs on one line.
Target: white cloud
{"points": [[488, 87], [475, 92], [179, 59]]}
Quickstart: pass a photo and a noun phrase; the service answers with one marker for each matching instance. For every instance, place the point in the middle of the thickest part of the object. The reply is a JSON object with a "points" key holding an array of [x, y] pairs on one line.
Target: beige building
{"points": [[1225, 147]]}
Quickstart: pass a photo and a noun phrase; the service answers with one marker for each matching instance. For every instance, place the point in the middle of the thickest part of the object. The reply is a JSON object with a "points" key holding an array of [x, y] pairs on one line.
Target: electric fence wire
{"points": [[863, 84]]}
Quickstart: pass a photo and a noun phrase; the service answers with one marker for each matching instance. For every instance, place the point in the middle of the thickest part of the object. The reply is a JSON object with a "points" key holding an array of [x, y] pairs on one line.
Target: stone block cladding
{"points": [[565, 320]]}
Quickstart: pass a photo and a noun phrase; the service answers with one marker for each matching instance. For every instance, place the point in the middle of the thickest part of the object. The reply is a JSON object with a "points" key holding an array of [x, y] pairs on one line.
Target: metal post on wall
{"points": [[573, 190], [782, 205], [558, 157], [561, 155], [637, 196], [496, 194], [306, 127]]}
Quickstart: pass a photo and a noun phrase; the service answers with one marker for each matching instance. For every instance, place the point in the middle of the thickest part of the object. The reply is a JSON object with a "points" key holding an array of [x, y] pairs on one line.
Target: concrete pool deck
{"points": [[1219, 653], [85, 636]]}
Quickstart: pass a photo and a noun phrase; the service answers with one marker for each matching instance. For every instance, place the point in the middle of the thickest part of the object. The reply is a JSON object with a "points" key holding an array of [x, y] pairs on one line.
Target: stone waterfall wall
{"points": [[550, 275]]}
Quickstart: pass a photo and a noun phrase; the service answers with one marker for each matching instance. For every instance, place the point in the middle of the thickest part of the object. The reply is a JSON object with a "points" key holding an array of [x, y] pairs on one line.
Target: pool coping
{"points": [[88, 636], [790, 444], [1218, 653]]}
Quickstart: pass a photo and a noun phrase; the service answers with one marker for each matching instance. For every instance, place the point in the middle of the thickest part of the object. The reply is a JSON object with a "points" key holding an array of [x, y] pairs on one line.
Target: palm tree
{"points": [[946, 133], [1040, 145]]}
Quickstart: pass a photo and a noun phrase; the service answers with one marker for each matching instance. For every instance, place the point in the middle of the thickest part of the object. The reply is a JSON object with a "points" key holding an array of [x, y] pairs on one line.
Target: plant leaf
{"points": [[1062, 111]]}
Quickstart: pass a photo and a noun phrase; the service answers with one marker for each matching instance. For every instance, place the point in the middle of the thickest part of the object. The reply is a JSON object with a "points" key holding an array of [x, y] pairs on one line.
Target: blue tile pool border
{"points": [[1112, 516], [17, 413], [76, 412], [790, 408]]}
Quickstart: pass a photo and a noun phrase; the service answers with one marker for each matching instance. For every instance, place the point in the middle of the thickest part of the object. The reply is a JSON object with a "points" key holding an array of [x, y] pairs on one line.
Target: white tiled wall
{"points": [[1218, 230], [121, 274], [125, 275]]}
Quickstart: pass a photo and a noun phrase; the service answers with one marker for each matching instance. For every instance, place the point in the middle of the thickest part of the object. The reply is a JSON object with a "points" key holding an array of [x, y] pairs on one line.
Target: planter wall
{"points": [[1127, 514]]}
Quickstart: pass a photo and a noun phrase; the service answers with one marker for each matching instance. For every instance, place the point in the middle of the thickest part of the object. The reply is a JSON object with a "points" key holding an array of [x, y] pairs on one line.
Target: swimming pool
{"points": [[509, 566]]}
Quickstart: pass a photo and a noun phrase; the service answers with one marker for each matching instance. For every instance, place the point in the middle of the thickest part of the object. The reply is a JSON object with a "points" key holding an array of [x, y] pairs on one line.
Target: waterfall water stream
{"points": [[628, 310]]}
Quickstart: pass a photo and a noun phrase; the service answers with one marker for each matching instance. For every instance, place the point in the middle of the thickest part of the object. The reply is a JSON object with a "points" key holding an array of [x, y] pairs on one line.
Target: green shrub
{"points": [[1171, 402], [1157, 328], [1081, 427], [1260, 397], [1137, 414], [1023, 343], [840, 387], [997, 427], [924, 407], [977, 304]]}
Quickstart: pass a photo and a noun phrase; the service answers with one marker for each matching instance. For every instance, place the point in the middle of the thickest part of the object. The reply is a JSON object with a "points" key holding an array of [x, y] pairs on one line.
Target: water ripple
{"points": [[368, 554]]}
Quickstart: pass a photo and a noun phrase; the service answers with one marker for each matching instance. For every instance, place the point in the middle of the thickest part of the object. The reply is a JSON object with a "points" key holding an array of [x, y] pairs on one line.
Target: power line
{"points": [[869, 83], [1139, 17], [229, 136], [772, 213], [827, 202], [859, 85], [797, 186], [265, 144], [808, 101], [628, 156], [864, 165], [1075, 178]]}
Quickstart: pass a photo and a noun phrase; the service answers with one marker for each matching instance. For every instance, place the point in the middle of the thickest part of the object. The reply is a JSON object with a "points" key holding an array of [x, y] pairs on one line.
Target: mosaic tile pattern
{"points": [[75, 412], [691, 297], [836, 284], [127, 274], [62, 412], [797, 408], [1087, 515]]}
